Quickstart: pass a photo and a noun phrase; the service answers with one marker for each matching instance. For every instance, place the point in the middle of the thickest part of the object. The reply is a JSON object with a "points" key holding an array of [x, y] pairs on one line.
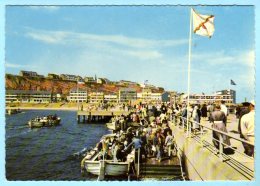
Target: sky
{"points": [[135, 43]]}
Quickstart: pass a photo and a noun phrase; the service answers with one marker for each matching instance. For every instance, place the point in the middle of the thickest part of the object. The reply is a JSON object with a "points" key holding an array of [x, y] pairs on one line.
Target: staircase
{"points": [[169, 170]]}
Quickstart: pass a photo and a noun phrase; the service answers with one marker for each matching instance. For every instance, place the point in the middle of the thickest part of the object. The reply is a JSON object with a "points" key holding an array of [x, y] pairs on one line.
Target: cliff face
{"points": [[29, 83], [13, 82]]}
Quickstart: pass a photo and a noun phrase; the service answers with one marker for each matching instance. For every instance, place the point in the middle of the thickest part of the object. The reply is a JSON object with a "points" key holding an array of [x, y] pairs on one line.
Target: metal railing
{"points": [[198, 134]]}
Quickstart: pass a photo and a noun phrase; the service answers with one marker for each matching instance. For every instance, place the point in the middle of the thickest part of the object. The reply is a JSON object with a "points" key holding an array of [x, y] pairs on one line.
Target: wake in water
{"points": [[82, 153], [18, 135], [19, 127], [75, 156]]}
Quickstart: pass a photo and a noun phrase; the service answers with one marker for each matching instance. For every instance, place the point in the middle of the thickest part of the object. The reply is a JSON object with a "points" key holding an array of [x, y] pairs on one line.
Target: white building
{"points": [[111, 98], [156, 96], [27, 96], [230, 92], [77, 95], [58, 97], [103, 81], [139, 95], [210, 98], [96, 97], [148, 96], [69, 77], [127, 94], [89, 80], [28, 73]]}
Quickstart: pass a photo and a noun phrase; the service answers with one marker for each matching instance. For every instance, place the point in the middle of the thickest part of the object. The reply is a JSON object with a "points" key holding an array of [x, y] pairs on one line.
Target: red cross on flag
{"points": [[203, 24]]}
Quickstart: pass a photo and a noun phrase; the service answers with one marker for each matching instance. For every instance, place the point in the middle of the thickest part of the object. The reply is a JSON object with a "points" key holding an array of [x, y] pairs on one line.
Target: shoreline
{"points": [[43, 108]]}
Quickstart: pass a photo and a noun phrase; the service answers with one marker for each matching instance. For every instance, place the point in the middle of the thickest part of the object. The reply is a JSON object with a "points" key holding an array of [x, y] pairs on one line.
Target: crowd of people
{"points": [[148, 132], [217, 115], [148, 129], [246, 117]]}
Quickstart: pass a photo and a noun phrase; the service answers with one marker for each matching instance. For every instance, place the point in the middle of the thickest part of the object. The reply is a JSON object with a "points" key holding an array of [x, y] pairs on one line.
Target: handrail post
{"points": [[187, 128], [138, 164], [190, 125], [221, 146], [201, 133]]}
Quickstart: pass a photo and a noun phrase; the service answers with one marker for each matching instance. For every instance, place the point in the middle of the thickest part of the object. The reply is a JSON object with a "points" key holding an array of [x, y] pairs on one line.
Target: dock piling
{"points": [[98, 115]]}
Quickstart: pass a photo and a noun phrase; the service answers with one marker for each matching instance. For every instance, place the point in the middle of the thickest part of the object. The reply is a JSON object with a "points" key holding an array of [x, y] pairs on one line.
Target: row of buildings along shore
{"points": [[73, 78], [124, 95]]}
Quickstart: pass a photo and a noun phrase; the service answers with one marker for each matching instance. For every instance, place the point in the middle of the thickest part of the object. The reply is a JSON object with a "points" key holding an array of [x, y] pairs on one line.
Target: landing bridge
{"points": [[85, 116]]}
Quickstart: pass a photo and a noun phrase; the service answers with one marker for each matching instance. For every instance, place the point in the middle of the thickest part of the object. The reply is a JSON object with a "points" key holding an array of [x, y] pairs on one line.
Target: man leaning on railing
{"points": [[247, 129]]}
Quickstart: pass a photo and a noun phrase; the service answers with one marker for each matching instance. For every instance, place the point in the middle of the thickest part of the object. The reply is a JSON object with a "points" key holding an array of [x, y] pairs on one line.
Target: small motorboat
{"points": [[91, 164], [13, 111], [46, 121]]}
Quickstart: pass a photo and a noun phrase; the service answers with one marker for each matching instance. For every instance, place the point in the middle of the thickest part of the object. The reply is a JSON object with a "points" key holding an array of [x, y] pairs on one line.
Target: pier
{"points": [[87, 116], [196, 158], [203, 162]]}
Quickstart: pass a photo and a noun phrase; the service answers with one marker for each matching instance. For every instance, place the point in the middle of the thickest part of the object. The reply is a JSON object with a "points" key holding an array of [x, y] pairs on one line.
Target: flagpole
{"points": [[230, 97], [189, 64], [78, 94]]}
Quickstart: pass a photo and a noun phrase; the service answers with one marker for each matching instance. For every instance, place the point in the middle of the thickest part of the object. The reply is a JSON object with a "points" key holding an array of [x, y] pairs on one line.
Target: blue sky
{"points": [[135, 43]]}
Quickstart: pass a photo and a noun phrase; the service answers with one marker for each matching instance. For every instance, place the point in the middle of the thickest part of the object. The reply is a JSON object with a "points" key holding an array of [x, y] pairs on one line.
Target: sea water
{"points": [[48, 153]]}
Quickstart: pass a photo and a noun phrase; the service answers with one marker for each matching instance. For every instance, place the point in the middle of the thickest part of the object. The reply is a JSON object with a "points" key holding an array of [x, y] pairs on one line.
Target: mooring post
{"points": [[89, 117], [78, 118], [84, 119], [138, 164]]}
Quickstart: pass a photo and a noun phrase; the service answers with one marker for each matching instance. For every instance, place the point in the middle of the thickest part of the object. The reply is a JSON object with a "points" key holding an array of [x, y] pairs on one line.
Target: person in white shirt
{"points": [[248, 129], [224, 109], [169, 142], [195, 118]]}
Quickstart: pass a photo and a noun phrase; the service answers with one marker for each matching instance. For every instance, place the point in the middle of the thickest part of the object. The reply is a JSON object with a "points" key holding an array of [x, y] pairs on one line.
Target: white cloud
{"points": [[117, 57], [248, 58], [142, 49], [44, 7], [50, 39], [245, 58], [145, 55], [63, 37], [12, 65]]}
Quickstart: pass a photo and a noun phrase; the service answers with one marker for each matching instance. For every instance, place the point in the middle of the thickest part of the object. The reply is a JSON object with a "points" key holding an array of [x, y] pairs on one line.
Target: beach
{"points": [[45, 106]]}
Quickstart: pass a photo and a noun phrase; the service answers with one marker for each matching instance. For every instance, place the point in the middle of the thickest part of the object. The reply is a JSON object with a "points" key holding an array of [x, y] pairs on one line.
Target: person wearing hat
{"points": [[248, 129]]}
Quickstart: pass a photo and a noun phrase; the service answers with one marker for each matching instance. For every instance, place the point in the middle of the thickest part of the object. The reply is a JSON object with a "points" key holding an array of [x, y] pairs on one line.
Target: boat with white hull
{"points": [[102, 168], [47, 121]]}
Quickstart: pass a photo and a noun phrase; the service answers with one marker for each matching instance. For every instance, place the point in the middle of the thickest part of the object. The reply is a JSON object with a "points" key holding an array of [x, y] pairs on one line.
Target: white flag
{"points": [[203, 24]]}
